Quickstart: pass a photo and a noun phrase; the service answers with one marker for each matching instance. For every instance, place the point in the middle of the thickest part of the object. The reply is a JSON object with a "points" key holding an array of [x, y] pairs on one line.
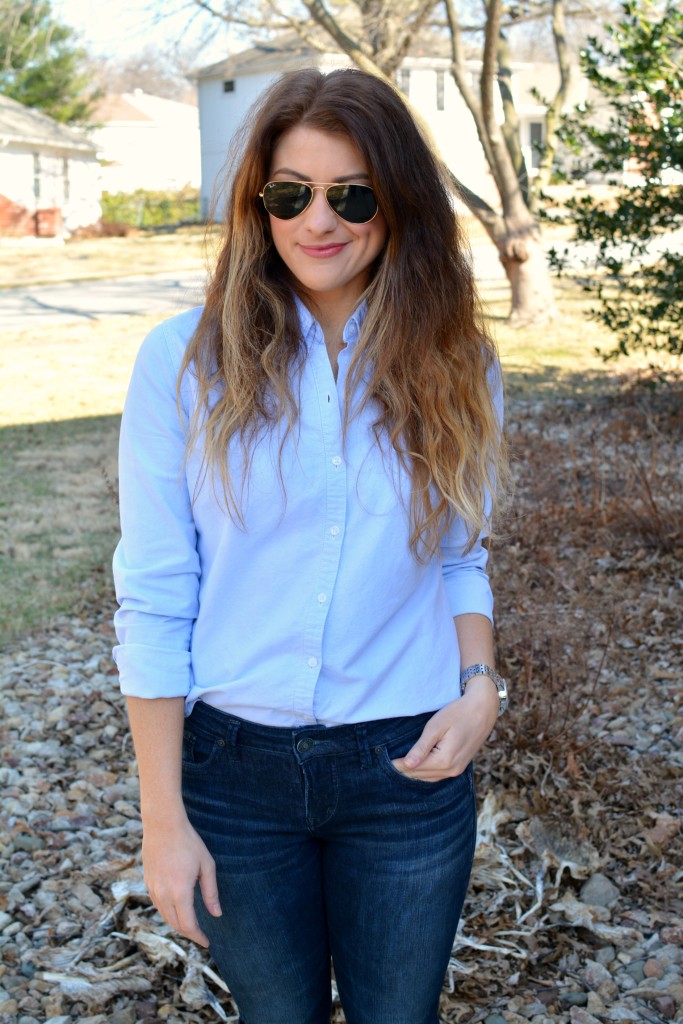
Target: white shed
{"points": [[49, 174]]}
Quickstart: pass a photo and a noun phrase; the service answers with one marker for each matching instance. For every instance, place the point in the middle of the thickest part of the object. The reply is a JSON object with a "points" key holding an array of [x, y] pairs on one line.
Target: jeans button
{"points": [[304, 745]]}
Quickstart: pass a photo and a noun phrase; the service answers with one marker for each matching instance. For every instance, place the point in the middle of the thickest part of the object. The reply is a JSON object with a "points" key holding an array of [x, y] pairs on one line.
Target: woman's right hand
{"points": [[175, 858]]}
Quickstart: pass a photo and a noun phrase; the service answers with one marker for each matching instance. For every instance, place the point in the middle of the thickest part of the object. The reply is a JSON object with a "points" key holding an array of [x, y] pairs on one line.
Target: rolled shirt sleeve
{"points": [[156, 564]]}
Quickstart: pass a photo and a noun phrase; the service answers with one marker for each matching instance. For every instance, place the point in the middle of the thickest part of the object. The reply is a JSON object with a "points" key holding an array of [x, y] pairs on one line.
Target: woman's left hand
{"points": [[453, 735]]}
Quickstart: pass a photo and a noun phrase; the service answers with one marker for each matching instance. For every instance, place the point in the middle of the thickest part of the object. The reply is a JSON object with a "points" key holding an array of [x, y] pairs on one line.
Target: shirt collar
{"points": [[354, 323], [309, 325]]}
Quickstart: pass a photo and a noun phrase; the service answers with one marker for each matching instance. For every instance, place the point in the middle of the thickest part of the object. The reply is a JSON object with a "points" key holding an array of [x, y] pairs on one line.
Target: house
{"points": [[146, 142], [227, 89], [49, 175]]}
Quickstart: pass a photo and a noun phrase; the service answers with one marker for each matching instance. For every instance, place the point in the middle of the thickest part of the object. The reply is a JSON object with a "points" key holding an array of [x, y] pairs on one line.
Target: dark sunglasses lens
{"points": [[354, 203], [286, 199]]}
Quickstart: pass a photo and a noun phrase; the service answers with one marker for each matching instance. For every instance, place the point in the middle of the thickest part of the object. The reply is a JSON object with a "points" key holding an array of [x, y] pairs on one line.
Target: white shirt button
{"points": [[336, 460], [334, 530], [312, 662], [322, 598]]}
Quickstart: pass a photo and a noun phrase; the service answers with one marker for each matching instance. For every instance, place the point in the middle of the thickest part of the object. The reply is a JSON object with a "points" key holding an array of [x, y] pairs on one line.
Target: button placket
{"points": [[333, 512]]}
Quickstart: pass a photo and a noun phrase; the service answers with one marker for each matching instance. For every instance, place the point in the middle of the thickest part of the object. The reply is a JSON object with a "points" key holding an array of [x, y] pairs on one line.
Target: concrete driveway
{"points": [[75, 301]]}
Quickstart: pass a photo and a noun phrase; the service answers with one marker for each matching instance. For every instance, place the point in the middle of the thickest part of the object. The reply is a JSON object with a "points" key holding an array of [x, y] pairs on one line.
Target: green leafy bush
{"points": [[637, 126], [147, 209]]}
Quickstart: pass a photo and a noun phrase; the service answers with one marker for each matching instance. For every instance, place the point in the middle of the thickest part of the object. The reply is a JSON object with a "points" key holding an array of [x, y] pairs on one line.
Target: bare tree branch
{"points": [[358, 54], [501, 166], [461, 78], [485, 214], [487, 80], [233, 14], [511, 126], [391, 29], [20, 44], [299, 26], [554, 110]]}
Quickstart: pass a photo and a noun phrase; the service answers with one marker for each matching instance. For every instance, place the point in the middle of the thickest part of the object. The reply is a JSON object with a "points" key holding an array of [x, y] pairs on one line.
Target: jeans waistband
{"points": [[313, 740]]}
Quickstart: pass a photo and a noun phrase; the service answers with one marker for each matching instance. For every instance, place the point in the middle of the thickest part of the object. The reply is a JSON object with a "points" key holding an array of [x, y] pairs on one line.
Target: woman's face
{"points": [[328, 256]]}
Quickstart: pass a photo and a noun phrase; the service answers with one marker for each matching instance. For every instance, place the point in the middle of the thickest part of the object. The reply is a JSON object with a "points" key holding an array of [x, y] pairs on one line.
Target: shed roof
{"points": [[31, 127], [284, 54]]}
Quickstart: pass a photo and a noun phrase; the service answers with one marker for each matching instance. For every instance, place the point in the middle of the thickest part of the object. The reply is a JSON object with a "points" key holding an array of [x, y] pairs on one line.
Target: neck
{"points": [[332, 310]]}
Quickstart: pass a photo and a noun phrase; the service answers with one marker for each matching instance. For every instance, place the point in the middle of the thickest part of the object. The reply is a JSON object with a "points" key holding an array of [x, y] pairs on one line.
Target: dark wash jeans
{"points": [[324, 850]]}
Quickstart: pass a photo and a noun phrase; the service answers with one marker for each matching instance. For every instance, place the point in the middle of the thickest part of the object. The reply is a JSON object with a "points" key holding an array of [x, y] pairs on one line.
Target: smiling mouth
{"points": [[323, 251]]}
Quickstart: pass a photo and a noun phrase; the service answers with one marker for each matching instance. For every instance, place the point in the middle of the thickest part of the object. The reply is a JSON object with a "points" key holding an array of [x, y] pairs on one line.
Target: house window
{"points": [[229, 85], [65, 179], [536, 143], [403, 80], [36, 175], [440, 83]]}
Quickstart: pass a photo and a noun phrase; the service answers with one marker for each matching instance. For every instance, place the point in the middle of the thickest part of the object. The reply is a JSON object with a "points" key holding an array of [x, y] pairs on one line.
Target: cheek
{"points": [[377, 236]]}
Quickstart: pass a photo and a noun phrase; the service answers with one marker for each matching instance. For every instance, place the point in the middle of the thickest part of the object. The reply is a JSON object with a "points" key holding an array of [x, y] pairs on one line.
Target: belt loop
{"points": [[363, 746], [234, 751]]}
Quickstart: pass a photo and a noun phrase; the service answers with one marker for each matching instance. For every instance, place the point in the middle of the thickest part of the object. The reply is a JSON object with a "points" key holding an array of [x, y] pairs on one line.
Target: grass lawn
{"points": [[64, 390]]}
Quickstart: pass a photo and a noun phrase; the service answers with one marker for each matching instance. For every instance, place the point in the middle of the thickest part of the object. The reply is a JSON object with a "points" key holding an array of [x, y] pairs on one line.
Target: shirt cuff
{"points": [[469, 591], [153, 671]]}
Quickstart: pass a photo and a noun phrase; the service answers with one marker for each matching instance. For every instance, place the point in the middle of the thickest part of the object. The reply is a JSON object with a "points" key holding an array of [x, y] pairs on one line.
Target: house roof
{"points": [[139, 106], [285, 54], [31, 127], [116, 107]]}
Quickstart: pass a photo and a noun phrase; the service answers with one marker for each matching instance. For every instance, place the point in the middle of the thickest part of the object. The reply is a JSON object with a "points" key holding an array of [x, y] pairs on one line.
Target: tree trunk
{"points": [[517, 238], [526, 268]]}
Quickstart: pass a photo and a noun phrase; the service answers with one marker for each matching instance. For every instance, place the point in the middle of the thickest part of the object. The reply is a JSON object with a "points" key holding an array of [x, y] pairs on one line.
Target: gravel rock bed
{"points": [[575, 914]]}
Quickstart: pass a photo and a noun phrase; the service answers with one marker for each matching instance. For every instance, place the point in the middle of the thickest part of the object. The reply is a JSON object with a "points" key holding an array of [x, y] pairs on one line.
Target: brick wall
{"points": [[15, 220]]}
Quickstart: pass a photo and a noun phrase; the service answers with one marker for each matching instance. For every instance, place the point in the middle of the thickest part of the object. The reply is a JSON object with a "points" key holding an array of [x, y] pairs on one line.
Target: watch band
{"points": [[498, 681]]}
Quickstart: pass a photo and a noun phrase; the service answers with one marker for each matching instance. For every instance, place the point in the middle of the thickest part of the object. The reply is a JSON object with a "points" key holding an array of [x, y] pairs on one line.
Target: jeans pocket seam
{"points": [[216, 750], [393, 773]]}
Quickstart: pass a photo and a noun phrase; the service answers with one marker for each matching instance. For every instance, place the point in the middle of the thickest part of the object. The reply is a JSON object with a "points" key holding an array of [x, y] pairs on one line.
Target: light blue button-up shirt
{"points": [[316, 610]]}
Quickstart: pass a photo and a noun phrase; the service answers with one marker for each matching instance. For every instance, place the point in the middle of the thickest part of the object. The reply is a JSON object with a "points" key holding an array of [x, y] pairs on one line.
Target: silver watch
{"points": [[498, 681]]}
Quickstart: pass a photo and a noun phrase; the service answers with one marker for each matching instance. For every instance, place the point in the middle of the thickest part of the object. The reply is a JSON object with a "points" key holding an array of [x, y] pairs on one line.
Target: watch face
{"points": [[502, 686]]}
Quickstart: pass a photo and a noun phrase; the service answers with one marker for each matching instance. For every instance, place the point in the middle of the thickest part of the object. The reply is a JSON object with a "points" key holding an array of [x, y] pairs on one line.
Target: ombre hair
{"points": [[424, 350]]}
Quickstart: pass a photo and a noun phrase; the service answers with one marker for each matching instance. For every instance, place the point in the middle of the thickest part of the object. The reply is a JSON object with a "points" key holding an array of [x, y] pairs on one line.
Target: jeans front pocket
{"points": [[201, 749], [388, 752]]}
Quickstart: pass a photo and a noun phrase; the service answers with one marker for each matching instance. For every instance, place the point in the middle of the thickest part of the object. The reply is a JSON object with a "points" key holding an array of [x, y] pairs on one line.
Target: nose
{"points": [[320, 216]]}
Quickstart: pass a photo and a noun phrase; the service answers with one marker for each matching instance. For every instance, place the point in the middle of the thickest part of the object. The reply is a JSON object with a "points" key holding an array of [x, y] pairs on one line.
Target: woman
{"points": [[306, 464]]}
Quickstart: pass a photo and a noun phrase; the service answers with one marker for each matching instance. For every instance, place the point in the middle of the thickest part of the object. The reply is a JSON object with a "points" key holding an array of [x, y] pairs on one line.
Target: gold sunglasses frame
{"points": [[324, 185]]}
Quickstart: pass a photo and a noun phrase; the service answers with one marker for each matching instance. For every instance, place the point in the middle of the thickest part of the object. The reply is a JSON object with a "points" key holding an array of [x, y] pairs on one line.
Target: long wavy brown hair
{"points": [[424, 346]]}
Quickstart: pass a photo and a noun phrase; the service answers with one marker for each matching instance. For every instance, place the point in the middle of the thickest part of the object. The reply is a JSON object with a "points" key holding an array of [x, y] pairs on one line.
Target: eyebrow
{"points": [[304, 178]]}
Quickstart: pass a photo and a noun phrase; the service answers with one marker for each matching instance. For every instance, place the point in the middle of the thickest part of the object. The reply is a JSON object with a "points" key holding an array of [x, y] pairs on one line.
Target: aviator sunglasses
{"points": [[287, 199]]}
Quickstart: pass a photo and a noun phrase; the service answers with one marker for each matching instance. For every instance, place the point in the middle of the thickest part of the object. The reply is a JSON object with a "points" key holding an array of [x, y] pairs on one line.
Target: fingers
{"points": [[209, 888], [421, 750], [431, 770], [446, 746], [177, 909], [182, 919]]}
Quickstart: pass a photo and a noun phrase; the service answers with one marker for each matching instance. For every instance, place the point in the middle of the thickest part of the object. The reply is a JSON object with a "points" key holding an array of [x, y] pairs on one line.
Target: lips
{"points": [[321, 252]]}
